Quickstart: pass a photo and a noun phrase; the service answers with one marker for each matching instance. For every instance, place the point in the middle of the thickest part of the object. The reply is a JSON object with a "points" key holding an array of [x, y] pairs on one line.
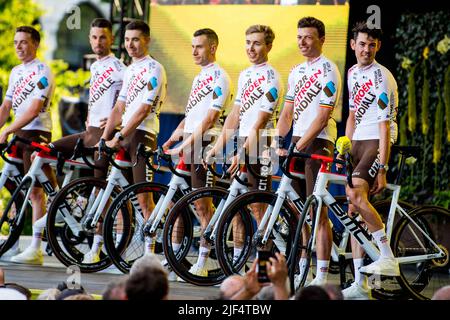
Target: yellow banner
{"points": [[172, 28]]}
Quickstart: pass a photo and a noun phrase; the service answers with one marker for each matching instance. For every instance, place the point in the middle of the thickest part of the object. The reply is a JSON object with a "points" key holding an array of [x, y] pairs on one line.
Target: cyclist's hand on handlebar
{"points": [[4, 136], [234, 165], [281, 152], [113, 143], [103, 123], [173, 152], [208, 158], [167, 145], [379, 184]]}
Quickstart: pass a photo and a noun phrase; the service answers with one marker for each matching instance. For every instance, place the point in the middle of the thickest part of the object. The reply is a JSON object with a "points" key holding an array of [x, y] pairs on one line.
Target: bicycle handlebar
{"points": [[81, 151], [103, 148], [324, 159]]}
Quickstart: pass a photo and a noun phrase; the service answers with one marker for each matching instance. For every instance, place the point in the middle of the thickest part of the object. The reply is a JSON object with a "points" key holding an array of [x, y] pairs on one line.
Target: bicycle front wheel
{"points": [[235, 242], [11, 223], [427, 234], [123, 227], [67, 212], [183, 228]]}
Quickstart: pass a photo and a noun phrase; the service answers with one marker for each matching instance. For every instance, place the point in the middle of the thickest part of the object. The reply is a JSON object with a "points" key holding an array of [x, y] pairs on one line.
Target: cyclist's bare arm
{"points": [[285, 121], [350, 125], [206, 124], [175, 136], [231, 123], [114, 119], [5, 110], [385, 145], [318, 124], [252, 139], [21, 121]]}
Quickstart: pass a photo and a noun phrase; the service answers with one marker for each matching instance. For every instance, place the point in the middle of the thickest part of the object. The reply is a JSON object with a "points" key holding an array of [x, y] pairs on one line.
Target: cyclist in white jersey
{"points": [[105, 84], [209, 96], [139, 103], [313, 92], [256, 103], [29, 93], [371, 126]]}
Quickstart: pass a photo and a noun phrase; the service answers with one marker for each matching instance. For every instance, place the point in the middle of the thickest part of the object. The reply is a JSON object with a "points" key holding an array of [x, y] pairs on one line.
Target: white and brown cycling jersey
{"points": [[27, 82], [144, 82], [105, 84], [211, 89], [312, 85], [373, 96], [259, 89]]}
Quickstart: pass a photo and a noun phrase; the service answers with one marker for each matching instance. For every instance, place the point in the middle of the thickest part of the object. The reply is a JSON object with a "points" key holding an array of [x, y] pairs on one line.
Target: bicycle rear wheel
{"points": [[183, 228], [12, 199], [124, 222], [422, 278], [73, 202], [237, 226]]}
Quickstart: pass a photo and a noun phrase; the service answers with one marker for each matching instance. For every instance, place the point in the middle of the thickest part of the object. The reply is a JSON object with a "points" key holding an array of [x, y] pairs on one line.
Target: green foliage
{"points": [[438, 128], [425, 113], [15, 13], [414, 33], [412, 100], [447, 100], [67, 83]]}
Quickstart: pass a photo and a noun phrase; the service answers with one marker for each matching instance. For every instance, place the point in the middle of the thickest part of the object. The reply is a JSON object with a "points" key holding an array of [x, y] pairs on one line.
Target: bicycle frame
{"points": [[235, 189], [176, 183], [35, 173], [10, 171], [364, 239]]}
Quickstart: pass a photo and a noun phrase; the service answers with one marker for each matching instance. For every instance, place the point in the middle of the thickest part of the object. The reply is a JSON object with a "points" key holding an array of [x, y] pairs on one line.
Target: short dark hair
{"points": [[269, 35], [147, 284], [311, 293], [30, 30], [311, 22], [101, 23], [139, 25], [361, 27], [210, 34]]}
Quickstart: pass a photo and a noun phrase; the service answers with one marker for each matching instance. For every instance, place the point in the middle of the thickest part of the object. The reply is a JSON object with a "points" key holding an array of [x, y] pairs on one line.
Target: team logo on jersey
{"points": [[329, 89], [152, 84], [272, 94], [383, 100], [217, 92], [42, 83]]}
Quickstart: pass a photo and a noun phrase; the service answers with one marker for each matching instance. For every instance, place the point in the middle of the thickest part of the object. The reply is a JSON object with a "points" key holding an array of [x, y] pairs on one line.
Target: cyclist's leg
{"points": [[364, 175], [324, 233], [141, 173], [203, 206], [33, 253]]}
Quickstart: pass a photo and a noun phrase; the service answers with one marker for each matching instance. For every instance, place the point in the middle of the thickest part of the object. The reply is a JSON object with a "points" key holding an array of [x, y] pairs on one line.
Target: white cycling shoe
{"points": [[29, 256], [91, 257], [383, 267], [356, 292], [201, 272], [317, 282]]}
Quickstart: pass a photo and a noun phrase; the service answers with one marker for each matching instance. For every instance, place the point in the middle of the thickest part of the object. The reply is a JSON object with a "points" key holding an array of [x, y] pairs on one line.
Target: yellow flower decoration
{"points": [[443, 45], [406, 63], [426, 53]]}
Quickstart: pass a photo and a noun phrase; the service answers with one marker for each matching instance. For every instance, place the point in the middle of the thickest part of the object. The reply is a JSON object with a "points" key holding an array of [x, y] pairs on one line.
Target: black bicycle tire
{"points": [[52, 231], [109, 241], [249, 197], [179, 265], [17, 197], [415, 215]]}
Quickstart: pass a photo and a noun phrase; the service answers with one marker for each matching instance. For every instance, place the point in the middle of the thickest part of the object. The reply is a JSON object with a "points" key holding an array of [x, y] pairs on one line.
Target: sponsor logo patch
{"points": [[272, 94], [383, 100], [329, 89], [152, 84]]}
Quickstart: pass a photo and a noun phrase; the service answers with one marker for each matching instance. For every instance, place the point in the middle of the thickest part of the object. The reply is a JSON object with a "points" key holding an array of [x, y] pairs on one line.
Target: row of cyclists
{"points": [[124, 106]]}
